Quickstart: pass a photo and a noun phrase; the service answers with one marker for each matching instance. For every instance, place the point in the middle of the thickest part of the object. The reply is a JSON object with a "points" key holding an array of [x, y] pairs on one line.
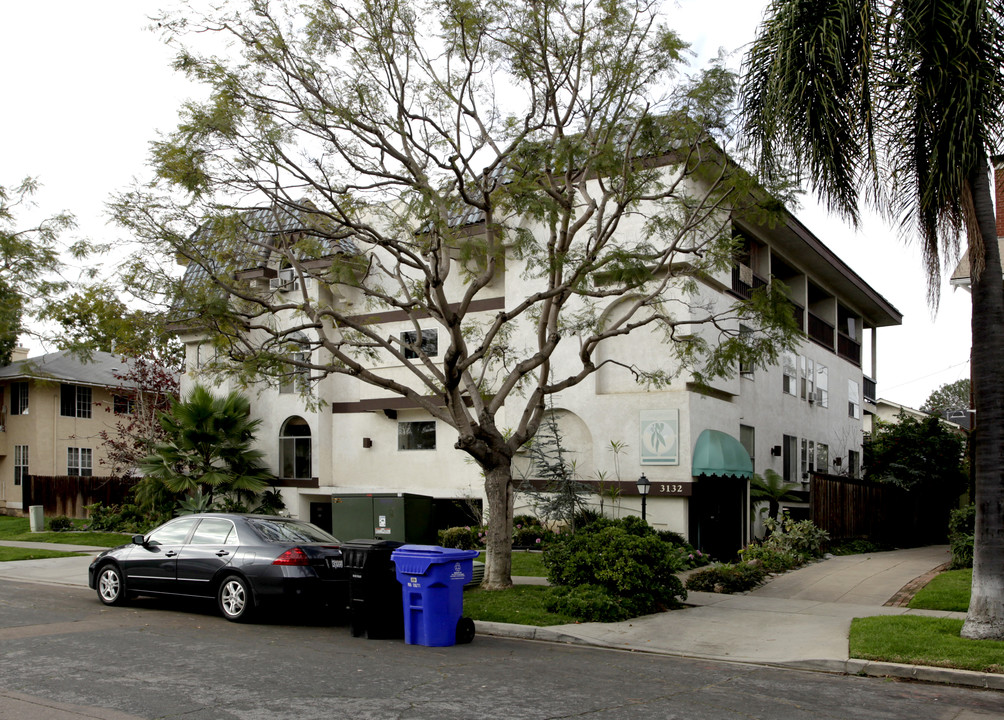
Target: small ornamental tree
{"points": [[146, 391]]}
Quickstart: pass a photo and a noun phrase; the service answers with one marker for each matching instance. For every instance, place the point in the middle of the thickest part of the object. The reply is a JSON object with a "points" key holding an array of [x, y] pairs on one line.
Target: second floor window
{"points": [[79, 461], [74, 401], [20, 464], [124, 405], [419, 435], [853, 400], [19, 398], [429, 344]]}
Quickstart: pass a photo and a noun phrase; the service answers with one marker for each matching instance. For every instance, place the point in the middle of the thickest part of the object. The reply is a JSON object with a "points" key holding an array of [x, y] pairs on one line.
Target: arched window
{"points": [[294, 449]]}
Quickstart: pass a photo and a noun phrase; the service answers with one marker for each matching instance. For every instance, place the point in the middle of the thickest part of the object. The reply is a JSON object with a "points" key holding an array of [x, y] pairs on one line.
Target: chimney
{"points": [[21, 353]]}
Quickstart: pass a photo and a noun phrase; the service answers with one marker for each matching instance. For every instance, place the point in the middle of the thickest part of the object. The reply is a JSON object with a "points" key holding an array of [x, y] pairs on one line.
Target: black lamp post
{"points": [[643, 487]]}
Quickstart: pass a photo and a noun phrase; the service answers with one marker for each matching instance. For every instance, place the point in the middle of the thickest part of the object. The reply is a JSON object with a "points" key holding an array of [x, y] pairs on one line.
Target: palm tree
{"points": [[899, 103], [208, 447], [772, 489]]}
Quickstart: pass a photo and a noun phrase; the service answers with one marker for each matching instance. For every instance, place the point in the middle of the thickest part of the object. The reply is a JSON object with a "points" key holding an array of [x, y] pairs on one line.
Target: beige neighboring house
{"points": [[888, 411], [52, 409]]}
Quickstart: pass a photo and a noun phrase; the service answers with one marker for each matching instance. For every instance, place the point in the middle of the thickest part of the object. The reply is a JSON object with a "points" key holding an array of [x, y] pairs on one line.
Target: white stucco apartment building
{"points": [[697, 444]]}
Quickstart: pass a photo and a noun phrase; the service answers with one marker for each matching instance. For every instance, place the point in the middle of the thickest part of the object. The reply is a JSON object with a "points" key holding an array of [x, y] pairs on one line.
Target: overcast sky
{"points": [[86, 88]]}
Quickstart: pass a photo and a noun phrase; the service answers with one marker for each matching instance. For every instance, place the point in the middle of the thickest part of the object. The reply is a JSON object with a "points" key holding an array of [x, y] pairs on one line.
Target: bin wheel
{"points": [[465, 630]]}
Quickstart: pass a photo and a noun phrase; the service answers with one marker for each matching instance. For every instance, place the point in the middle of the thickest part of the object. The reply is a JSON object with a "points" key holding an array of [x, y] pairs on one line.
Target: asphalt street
{"points": [[64, 655]]}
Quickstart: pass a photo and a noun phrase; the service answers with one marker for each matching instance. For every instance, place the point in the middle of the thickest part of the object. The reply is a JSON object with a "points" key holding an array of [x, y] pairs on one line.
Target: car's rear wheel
{"points": [[235, 599], [110, 585]]}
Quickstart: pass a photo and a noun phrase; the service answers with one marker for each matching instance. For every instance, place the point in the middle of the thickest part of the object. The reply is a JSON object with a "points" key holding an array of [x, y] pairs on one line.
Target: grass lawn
{"points": [[923, 641], [523, 604], [525, 564], [12, 528], [947, 591], [8, 554]]}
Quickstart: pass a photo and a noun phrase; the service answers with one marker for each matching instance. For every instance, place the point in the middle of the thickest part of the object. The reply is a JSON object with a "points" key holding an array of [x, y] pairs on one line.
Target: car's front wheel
{"points": [[235, 599], [110, 586]]}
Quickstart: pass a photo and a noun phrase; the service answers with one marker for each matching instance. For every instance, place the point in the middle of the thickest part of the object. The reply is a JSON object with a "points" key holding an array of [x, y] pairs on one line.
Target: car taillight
{"points": [[293, 556]]}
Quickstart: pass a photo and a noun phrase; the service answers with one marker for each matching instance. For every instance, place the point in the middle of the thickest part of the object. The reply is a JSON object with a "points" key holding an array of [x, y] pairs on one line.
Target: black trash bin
{"points": [[375, 606]]}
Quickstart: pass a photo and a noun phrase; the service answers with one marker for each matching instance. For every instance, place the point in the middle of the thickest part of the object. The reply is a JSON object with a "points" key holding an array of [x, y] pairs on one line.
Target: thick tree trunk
{"points": [[985, 618], [498, 555]]}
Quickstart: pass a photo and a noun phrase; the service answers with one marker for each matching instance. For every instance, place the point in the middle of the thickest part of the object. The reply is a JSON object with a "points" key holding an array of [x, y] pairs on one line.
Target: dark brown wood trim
{"points": [[495, 303], [289, 482], [389, 403]]}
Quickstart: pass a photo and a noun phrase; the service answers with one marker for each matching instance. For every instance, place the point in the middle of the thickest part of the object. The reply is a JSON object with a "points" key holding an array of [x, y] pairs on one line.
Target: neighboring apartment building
{"points": [[697, 445], [52, 409]]}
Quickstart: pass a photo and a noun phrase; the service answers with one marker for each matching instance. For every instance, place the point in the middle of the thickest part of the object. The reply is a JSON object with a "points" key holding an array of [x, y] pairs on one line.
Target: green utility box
{"points": [[401, 517]]}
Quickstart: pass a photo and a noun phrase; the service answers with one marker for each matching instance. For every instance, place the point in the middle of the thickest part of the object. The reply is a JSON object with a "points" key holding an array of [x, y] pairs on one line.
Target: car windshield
{"points": [[280, 531]]}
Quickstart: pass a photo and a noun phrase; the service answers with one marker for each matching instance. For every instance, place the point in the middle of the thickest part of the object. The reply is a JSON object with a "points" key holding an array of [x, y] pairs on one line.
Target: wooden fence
{"points": [[68, 495], [883, 513]]}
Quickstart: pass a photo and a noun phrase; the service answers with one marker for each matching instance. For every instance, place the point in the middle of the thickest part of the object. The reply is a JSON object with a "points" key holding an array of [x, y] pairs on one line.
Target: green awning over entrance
{"points": [[718, 453]]}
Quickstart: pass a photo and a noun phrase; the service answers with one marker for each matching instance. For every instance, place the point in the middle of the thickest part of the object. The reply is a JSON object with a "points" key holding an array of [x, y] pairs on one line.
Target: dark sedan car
{"points": [[244, 561]]}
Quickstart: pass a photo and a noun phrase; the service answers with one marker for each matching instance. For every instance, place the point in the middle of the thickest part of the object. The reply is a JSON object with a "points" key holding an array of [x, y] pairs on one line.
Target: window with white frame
{"points": [[853, 400], [20, 464], [74, 401], [416, 435], [808, 388], [19, 398], [789, 364], [295, 449], [822, 386], [429, 344], [852, 463], [745, 367], [298, 377], [124, 405], [822, 458], [747, 437], [79, 461]]}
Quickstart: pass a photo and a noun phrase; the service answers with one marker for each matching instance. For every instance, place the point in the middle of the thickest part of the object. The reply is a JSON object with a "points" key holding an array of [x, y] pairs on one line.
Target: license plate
{"points": [[335, 563]]}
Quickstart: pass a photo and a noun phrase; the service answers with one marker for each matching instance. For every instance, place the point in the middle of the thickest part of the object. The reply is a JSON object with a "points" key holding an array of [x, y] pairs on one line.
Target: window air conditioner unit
{"points": [[282, 284]]}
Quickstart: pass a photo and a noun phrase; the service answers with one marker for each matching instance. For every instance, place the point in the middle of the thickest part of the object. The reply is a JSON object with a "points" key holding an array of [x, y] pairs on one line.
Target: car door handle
{"points": [[170, 553], [221, 553]]}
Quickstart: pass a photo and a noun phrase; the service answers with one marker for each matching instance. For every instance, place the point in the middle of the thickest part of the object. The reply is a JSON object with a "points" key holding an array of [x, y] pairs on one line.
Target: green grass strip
{"points": [[525, 564], [521, 604], [923, 641], [947, 591], [12, 528], [10, 554]]}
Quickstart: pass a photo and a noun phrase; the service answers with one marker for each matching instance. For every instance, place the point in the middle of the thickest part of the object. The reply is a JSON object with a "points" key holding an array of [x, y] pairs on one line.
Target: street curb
{"points": [[852, 666]]}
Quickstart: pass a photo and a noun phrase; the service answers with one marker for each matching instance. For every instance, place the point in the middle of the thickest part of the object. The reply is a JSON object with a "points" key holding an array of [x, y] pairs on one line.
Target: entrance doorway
{"points": [[719, 515]]}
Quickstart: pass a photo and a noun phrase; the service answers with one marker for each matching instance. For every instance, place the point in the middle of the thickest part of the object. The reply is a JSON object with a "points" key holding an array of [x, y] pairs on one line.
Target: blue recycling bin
{"points": [[432, 585]]}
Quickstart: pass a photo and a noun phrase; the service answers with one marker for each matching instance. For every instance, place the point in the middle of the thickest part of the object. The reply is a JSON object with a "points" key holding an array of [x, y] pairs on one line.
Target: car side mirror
{"points": [[138, 540]]}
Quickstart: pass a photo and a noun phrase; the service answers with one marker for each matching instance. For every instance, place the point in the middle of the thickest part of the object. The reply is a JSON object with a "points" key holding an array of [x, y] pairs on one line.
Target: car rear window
{"points": [[280, 531]]}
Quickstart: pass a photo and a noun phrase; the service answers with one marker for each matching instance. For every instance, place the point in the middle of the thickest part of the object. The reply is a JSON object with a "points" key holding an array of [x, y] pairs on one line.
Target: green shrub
{"points": [[589, 603], [856, 546], [727, 578], [532, 536], [127, 518], [60, 523], [961, 535], [802, 538], [636, 573], [770, 559], [525, 520], [462, 538]]}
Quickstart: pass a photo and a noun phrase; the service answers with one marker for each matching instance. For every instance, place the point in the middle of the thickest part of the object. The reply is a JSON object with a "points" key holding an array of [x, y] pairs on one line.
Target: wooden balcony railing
{"points": [[848, 349], [869, 389], [745, 281], [821, 331]]}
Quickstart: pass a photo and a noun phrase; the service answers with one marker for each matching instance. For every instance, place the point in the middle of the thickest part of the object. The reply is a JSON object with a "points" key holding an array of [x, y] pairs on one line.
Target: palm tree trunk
{"points": [[985, 618]]}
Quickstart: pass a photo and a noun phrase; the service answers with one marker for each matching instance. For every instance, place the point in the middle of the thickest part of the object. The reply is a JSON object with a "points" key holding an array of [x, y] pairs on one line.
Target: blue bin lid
{"points": [[416, 559]]}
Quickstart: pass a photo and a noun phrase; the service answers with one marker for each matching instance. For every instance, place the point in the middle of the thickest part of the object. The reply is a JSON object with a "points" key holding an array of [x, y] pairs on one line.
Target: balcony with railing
{"points": [[745, 281], [848, 348], [821, 331], [869, 390]]}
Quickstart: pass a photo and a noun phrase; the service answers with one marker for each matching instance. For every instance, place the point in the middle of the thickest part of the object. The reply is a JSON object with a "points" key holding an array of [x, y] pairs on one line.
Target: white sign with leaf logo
{"points": [[660, 434]]}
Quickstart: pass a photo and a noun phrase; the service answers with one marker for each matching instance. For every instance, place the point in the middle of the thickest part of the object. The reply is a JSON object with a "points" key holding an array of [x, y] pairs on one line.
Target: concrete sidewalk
{"points": [[800, 619]]}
